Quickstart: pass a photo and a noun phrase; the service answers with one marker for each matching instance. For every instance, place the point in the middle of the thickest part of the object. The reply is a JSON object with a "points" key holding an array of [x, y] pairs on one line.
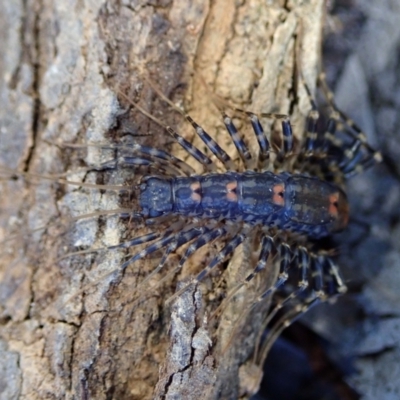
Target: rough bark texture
{"points": [[67, 329]]}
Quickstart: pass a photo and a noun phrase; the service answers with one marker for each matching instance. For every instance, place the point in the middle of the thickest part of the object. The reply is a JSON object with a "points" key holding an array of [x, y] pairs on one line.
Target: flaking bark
{"points": [[63, 65]]}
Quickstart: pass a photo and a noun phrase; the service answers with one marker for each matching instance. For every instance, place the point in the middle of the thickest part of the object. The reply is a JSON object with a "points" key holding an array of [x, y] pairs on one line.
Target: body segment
{"points": [[289, 202]]}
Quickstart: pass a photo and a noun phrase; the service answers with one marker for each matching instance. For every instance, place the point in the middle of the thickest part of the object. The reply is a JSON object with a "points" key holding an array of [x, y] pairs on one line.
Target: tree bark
{"points": [[69, 330]]}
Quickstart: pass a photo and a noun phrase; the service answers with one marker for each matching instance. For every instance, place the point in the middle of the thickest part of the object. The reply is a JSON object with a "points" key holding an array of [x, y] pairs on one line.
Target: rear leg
{"points": [[326, 284], [286, 262]]}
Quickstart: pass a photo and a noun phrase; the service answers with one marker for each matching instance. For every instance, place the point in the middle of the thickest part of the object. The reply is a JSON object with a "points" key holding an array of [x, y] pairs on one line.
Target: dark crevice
{"points": [[34, 55], [379, 353]]}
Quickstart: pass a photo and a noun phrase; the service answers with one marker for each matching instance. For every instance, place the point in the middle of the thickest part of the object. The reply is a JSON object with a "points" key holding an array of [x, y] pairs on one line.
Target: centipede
{"points": [[284, 198]]}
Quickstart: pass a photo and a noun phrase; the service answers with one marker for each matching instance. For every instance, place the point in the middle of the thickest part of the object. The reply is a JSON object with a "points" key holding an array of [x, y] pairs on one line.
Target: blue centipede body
{"points": [[299, 203]]}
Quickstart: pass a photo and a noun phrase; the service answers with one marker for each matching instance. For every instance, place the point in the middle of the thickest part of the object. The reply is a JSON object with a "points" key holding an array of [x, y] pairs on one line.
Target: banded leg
{"points": [[212, 145], [157, 245], [180, 239], [187, 146], [143, 160], [326, 284], [311, 124], [285, 260], [156, 154], [287, 146], [229, 248], [285, 321], [372, 157], [333, 280], [130, 243], [263, 142], [267, 246], [303, 266], [151, 154], [287, 137], [209, 236], [243, 151]]}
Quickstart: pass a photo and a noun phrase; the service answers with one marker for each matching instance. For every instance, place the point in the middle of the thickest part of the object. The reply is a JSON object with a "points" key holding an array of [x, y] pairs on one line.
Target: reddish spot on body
{"points": [[333, 205], [339, 209], [196, 191], [278, 192], [231, 194]]}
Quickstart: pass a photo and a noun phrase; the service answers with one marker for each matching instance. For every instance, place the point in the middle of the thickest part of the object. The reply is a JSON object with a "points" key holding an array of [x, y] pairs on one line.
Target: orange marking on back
{"points": [[231, 194], [195, 197], [333, 205], [231, 186], [278, 191], [196, 188]]}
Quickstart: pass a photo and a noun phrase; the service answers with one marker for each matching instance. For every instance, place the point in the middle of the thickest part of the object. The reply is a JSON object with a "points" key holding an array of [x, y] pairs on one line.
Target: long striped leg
{"points": [[238, 141], [143, 160], [192, 150], [285, 321], [303, 266], [157, 245], [212, 145], [133, 242], [209, 235], [267, 246], [130, 243], [150, 154], [333, 281], [311, 124], [326, 283], [206, 238], [372, 157], [263, 143], [172, 239], [287, 145], [287, 132], [284, 260], [169, 233], [181, 239], [228, 249], [157, 155]]}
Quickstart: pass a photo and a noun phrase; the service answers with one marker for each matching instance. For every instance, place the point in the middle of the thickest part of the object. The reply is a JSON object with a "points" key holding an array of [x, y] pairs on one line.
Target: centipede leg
{"points": [[181, 238], [229, 248], [212, 145], [263, 142], [238, 141], [325, 284]]}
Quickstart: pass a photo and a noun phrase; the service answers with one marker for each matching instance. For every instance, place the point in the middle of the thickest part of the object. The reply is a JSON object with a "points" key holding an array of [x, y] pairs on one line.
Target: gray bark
{"points": [[69, 330]]}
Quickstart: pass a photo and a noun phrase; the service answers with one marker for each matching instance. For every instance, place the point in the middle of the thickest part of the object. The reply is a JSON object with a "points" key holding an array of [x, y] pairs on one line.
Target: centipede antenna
{"points": [[124, 245], [124, 212]]}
